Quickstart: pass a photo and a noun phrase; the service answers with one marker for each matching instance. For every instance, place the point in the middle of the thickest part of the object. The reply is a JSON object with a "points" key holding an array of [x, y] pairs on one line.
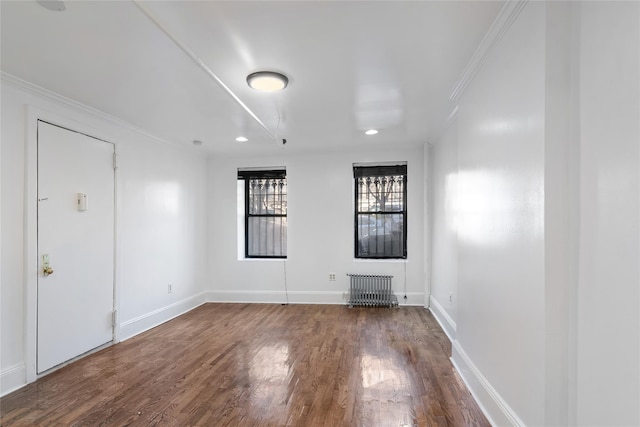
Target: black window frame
{"points": [[247, 176], [363, 171]]}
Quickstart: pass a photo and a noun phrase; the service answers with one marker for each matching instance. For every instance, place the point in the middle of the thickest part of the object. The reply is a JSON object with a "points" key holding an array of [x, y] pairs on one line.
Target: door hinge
{"points": [[115, 161], [113, 318]]}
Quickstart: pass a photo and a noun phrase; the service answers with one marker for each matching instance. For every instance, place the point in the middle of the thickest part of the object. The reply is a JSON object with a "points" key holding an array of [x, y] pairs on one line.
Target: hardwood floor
{"points": [[261, 365]]}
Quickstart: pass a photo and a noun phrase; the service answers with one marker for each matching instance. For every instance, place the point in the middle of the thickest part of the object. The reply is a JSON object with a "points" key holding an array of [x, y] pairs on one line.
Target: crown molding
{"points": [[53, 96], [452, 116], [500, 26], [442, 130]]}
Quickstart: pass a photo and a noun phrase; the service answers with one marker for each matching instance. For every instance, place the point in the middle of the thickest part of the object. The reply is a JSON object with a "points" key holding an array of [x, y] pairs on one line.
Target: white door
{"points": [[75, 301]]}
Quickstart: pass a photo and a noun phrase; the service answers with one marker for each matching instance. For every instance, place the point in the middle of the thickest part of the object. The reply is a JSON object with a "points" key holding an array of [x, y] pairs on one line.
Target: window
{"points": [[265, 218], [381, 211]]}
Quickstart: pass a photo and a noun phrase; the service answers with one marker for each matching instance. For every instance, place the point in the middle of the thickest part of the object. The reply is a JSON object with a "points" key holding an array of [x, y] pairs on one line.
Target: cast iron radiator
{"points": [[371, 290]]}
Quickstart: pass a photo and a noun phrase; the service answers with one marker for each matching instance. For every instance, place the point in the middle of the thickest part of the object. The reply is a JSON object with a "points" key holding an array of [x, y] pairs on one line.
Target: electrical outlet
{"points": [[332, 277], [170, 288]]}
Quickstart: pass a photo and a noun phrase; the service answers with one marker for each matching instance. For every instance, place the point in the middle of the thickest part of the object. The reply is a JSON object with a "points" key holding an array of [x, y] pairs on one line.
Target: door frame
{"points": [[32, 116]]}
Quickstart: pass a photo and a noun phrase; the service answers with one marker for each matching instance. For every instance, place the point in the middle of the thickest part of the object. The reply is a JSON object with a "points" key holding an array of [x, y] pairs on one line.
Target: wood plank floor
{"points": [[261, 365]]}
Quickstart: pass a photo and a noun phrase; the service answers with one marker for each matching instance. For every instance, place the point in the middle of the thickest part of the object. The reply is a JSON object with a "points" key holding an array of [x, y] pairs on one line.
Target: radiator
{"points": [[371, 290]]}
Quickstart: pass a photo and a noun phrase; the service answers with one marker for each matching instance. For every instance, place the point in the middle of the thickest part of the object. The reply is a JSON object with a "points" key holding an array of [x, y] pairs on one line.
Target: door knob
{"points": [[46, 268]]}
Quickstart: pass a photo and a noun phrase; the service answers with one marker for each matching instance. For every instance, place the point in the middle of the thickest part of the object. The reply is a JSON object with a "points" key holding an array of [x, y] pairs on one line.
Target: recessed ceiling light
{"points": [[241, 139], [371, 132], [54, 5], [267, 81]]}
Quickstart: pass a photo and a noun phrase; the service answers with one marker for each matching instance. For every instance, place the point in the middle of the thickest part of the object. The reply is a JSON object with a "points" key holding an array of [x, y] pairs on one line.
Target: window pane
{"points": [[380, 193], [267, 236], [265, 213], [381, 235], [268, 196], [380, 211]]}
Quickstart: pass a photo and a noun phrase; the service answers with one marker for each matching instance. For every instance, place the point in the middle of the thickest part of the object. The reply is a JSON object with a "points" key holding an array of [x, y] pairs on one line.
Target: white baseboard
{"points": [[297, 297], [494, 407], [13, 378], [447, 324], [265, 297], [413, 299], [150, 320]]}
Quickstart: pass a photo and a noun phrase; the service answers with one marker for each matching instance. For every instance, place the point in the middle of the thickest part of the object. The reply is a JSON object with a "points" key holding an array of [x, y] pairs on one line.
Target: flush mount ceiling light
{"points": [[54, 5], [267, 81], [371, 132], [241, 139]]}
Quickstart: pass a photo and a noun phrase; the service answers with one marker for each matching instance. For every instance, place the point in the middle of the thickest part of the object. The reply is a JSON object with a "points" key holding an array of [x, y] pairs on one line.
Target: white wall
{"points": [[163, 229], [500, 218], [12, 361], [444, 249], [161, 221], [547, 145], [608, 353], [320, 231]]}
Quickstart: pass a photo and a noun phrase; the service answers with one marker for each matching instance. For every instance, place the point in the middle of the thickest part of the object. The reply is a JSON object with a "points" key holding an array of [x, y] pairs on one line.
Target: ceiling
{"points": [[352, 66]]}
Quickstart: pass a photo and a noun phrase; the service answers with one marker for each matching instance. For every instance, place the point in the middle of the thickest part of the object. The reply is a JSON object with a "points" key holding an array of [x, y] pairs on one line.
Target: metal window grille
{"points": [[265, 213], [380, 211]]}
